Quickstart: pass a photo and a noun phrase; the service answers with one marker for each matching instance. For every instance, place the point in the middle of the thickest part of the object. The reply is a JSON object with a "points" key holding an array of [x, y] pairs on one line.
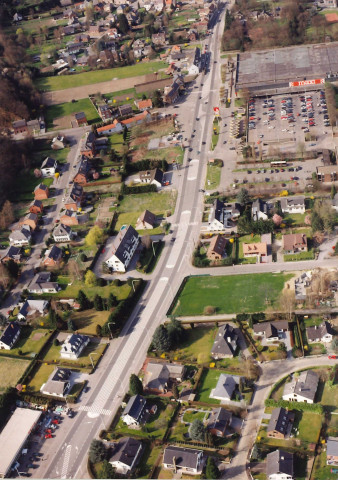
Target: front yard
{"points": [[71, 289], [86, 321], [247, 239], [94, 350]]}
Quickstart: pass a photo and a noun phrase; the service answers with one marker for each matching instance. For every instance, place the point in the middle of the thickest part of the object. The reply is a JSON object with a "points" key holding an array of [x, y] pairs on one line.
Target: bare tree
{"points": [[5, 278], [287, 303], [146, 241]]}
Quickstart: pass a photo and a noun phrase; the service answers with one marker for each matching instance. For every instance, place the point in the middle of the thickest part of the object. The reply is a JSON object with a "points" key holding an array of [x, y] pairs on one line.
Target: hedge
{"points": [[146, 165], [125, 190], [301, 406]]}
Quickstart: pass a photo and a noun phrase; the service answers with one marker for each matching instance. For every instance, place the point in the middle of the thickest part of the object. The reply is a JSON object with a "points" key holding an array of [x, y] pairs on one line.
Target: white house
{"points": [[41, 284], [62, 233], [320, 333], [259, 210], [152, 177], [126, 455], [48, 167], [183, 460], [279, 465], [10, 336], [32, 307], [20, 237], [123, 249], [133, 413], [58, 384], [73, 346], [293, 205], [222, 215], [302, 388]]}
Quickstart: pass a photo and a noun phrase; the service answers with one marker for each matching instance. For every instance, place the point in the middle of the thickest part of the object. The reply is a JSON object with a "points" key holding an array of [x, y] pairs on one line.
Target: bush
{"points": [[83, 257], [56, 342], [300, 406], [209, 310]]}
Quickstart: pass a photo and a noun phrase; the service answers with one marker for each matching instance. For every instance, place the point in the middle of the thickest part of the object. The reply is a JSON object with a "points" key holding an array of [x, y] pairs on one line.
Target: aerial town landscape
{"points": [[169, 239]]}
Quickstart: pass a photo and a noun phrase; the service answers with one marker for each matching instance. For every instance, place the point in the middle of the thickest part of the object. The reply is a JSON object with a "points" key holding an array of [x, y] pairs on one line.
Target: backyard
{"points": [[197, 345], [39, 377], [26, 182], [157, 203], [321, 471], [29, 344], [86, 321], [11, 370], [71, 289], [208, 382], [69, 108], [230, 294], [94, 350], [330, 397]]}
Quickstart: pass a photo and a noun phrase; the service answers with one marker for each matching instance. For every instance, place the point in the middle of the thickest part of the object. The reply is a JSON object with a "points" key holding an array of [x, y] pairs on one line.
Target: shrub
{"points": [[209, 310], [56, 342]]}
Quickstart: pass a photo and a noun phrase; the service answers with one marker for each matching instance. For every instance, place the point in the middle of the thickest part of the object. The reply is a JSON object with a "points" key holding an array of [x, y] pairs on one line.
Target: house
{"points": [[20, 237], [136, 120], [332, 451], [302, 388], [82, 175], [293, 205], [330, 3], [31, 220], [301, 284], [134, 410], [41, 192], [36, 207], [88, 145], [271, 331], [10, 336], [33, 308], [143, 105], [73, 346], [62, 233], [126, 109], [258, 249], [81, 119], [114, 127], [58, 384], [158, 376], [123, 249], [69, 218], [75, 198], [105, 112], [219, 421], [259, 210], [222, 215], [12, 253], [327, 173], [49, 167], [20, 126], [183, 460], [294, 243], [126, 455], [41, 283], [216, 249], [280, 424], [158, 38], [226, 342], [146, 221], [320, 333], [52, 257], [225, 388], [279, 465], [172, 92], [152, 177]]}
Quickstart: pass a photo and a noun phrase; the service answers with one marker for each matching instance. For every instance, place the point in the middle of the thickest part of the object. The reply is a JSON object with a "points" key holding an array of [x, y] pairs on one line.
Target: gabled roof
{"points": [[258, 248], [80, 115], [10, 333], [142, 104], [318, 331], [305, 385], [135, 406], [292, 202], [12, 252], [217, 245], [147, 217], [225, 386], [219, 419], [125, 451], [226, 341], [32, 306], [182, 457], [271, 328], [54, 253], [41, 186], [279, 461], [294, 240], [57, 381], [74, 343], [62, 230], [48, 162], [136, 118], [332, 446], [19, 123], [279, 420], [23, 233], [123, 242]]}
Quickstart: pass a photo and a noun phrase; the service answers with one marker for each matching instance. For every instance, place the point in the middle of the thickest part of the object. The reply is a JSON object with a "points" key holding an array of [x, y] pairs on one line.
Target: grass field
{"points": [[213, 177], [40, 377], [30, 342], [116, 143], [90, 78], [53, 355], [197, 346], [11, 370], [131, 218], [26, 182], [209, 381], [192, 415], [299, 256], [231, 294], [71, 291], [309, 427], [87, 320], [321, 471], [69, 108], [330, 397], [157, 203]]}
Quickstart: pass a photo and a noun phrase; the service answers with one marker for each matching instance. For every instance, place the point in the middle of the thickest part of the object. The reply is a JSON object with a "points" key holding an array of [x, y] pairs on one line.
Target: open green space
{"points": [[148, 459], [43, 149], [213, 176], [116, 143], [321, 471], [330, 397], [231, 294], [215, 134], [86, 321], [309, 427], [29, 344], [11, 370], [93, 348], [69, 108], [26, 182], [39, 377], [97, 76], [208, 382], [154, 202], [294, 219], [197, 346], [171, 154], [131, 218], [71, 290], [192, 415], [296, 257]]}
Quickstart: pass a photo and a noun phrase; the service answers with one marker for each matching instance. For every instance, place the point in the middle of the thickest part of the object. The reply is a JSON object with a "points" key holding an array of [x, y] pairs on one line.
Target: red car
{"points": [[55, 422], [332, 357]]}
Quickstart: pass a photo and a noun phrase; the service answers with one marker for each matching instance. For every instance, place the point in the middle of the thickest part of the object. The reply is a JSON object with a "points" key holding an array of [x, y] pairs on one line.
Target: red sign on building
{"points": [[304, 83]]}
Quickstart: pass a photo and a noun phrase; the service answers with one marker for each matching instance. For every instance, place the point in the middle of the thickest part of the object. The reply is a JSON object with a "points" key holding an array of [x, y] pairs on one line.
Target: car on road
{"points": [[332, 357]]}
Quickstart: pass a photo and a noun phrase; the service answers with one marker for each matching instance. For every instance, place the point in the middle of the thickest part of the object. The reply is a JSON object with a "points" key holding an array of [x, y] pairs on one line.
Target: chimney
{"points": [[174, 463]]}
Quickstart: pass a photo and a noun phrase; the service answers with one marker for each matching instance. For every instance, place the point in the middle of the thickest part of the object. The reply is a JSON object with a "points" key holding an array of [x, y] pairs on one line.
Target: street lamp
{"points": [[135, 280], [152, 244], [111, 323], [90, 356]]}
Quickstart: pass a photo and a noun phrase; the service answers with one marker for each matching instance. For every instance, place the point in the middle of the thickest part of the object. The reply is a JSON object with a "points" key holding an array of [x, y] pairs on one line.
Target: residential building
{"points": [[216, 249], [259, 210], [73, 346], [301, 284], [258, 249], [125, 109], [302, 388], [134, 410], [105, 112], [20, 237], [271, 331], [12, 253], [136, 120], [159, 376], [219, 421], [41, 192], [126, 455], [69, 218], [123, 249], [33, 308], [293, 204], [143, 105], [62, 233], [222, 216], [49, 167], [74, 200], [114, 127], [52, 257], [42, 283], [158, 38], [332, 451], [20, 126], [88, 145], [280, 424], [10, 336], [146, 221], [58, 383], [172, 92], [294, 243], [327, 174], [152, 177], [36, 207], [81, 119], [225, 388], [320, 333], [330, 3], [31, 220], [82, 175], [226, 342], [183, 460], [279, 465]]}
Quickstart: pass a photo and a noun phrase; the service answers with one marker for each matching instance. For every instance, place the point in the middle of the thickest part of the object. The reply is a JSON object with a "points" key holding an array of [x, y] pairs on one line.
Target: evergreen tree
{"points": [[97, 451], [175, 391], [135, 385], [176, 332], [125, 133], [98, 303], [212, 471], [243, 197], [107, 471], [83, 300], [123, 23], [197, 430], [112, 301], [71, 325], [161, 339]]}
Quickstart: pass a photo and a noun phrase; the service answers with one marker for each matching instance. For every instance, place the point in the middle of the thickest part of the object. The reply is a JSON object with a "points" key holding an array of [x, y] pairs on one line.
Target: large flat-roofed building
{"points": [[275, 70], [14, 436]]}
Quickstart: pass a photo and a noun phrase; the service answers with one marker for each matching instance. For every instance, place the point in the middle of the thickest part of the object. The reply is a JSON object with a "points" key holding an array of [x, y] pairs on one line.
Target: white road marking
{"points": [[94, 412], [193, 170], [66, 462]]}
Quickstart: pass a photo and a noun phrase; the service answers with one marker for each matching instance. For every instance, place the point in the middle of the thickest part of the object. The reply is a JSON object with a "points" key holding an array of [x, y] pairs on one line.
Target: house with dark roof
{"points": [[222, 215], [146, 221], [332, 451], [279, 465], [20, 237], [219, 421], [123, 249], [82, 175], [36, 207], [280, 424], [20, 126], [216, 249], [80, 117], [58, 383], [62, 233], [10, 336], [49, 167], [88, 145], [302, 388], [69, 218], [73, 346], [33, 308], [134, 410], [126, 109], [225, 388], [52, 257], [259, 210], [320, 333], [271, 331], [152, 177], [226, 342], [183, 460], [172, 92], [12, 253], [158, 376], [294, 243], [126, 455], [41, 283], [41, 192]]}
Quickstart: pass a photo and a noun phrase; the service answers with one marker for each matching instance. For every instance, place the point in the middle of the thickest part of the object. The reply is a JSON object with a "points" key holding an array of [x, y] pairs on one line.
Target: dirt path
{"points": [[76, 93]]}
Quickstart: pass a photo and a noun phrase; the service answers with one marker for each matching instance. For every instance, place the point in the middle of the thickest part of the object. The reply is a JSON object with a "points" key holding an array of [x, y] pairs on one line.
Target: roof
{"points": [[225, 386], [294, 240], [155, 174], [123, 242], [135, 406], [136, 118], [125, 451], [184, 457], [147, 217], [21, 422], [11, 252], [61, 230], [48, 162], [19, 123], [280, 419], [41, 186], [158, 374], [107, 127], [80, 115], [57, 380], [54, 253], [292, 202], [271, 328], [40, 277], [23, 232], [125, 109], [226, 341], [259, 206], [37, 203], [32, 305], [10, 333], [142, 104], [305, 385], [217, 245], [327, 169], [332, 446], [318, 331], [258, 248], [219, 419], [74, 343], [279, 461]]}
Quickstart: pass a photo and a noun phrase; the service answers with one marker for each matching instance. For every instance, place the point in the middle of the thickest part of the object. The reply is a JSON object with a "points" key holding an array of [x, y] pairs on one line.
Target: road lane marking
{"points": [[66, 462]]}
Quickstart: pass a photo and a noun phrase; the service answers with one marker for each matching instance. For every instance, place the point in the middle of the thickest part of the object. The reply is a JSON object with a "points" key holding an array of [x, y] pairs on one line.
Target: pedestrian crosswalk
{"points": [[66, 462], [94, 409]]}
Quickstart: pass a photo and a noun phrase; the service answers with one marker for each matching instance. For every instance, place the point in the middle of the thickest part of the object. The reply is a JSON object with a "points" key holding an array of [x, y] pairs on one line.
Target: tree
{"points": [[277, 219], [161, 339], [135, 385], [243, 197], [98, 330], [83, 257], [197, 430], [175, 391], [278, 208], [316, 222], [334, 344], [5, 277], [71, 325], [94, 236], [175, 331], [212, 471], [56, 342], [112, 301], [107, 470], [3, 320], [209, 439], [51, 319], [90, 279], [287, 303], [123, 23], [98, 303], [13, 269], [156, 99], [97, 451], [83, 300], [124, 134]]}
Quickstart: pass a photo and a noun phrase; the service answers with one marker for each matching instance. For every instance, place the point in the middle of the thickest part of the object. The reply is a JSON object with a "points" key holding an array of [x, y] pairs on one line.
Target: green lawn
{"points": [[321, 471], [148, 459], [155, 202], [69, 108], [11, 370], [247, 239], [197, 346], [192, 415], [171, 155], [131, 218], [25, 185], [53, 355], [213, 176], [215, 134], [116, 142], [71, 291], [39, 377], [231, 294], [299, 256], [294, 219], [30, 342], [309, 427], [330, 397], [208, 382], [87, 320], [90, 78]]}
